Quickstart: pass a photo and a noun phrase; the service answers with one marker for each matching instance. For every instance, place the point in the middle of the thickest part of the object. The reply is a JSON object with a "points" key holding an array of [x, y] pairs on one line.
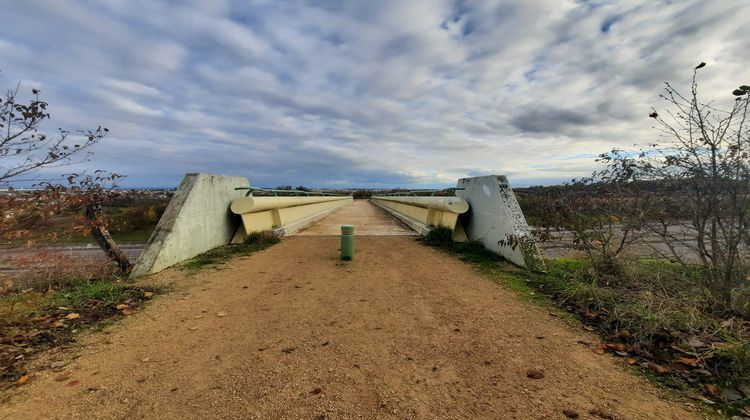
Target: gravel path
{"points": [[403, 331]]}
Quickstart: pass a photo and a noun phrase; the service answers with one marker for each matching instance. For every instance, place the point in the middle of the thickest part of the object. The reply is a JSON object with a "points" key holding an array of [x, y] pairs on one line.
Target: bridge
{"points": [[209, 211]]}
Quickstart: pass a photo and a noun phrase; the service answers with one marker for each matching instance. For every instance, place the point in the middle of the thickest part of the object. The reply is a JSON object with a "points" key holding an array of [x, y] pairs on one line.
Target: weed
{"points": [[255, 241], [31, 321]]}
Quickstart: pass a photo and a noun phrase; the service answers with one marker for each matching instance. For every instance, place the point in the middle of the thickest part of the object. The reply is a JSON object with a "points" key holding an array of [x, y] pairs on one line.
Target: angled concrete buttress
{"points": [[496, 220], [196, 220]]}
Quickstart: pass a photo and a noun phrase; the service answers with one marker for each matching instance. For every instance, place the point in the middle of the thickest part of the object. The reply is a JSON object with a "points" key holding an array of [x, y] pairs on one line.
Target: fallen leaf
{"points": [[148, 294], [192, 328], [73, 383], [23, 379], [690, 361], [535, 373], [746, 410], [72, 316], [658, 368], [631, 361], [600, 351], [713, 390], [616, 346], [59, 323], [695, 342], [63, 376], [146, 359], [198, 317], [221, 314], [121, 306], [128, 311]]}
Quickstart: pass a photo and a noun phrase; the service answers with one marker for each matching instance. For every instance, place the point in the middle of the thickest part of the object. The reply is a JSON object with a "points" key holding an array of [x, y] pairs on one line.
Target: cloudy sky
{"points": [[365, 93]]}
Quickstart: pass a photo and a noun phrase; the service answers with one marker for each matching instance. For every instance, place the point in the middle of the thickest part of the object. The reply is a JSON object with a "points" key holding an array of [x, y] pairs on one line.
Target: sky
{"points": [[366, 93]]}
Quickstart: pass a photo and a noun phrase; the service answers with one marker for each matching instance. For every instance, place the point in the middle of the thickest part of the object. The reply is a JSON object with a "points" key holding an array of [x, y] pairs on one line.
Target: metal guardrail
{"points": [[424, 191], [292, 193]]}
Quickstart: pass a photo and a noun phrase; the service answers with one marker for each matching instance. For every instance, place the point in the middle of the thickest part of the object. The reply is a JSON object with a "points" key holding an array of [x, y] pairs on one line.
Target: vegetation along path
{"points": [[404, 330]]}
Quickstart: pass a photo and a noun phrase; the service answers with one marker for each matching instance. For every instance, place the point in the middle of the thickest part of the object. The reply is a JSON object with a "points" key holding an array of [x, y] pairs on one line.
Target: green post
{"points": [[347, 242]]}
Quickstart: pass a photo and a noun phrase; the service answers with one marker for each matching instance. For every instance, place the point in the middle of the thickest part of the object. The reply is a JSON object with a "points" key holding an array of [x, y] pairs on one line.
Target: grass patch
{"points": [[255, 242], [655, 313], [31, 321]]}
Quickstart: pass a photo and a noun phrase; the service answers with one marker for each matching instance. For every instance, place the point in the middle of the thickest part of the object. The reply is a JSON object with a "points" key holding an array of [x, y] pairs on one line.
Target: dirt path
{"points": [[402, 331]]}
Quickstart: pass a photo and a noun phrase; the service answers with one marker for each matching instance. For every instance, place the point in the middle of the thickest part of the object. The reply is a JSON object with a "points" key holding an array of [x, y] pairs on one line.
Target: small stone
{"points": [[571, 414], [58, 365], [535, 374], [63, 376]]}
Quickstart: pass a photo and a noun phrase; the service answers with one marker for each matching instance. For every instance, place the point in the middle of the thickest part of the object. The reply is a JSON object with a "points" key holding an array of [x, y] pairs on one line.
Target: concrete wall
{"points": [[196, 220], [494, 216]]}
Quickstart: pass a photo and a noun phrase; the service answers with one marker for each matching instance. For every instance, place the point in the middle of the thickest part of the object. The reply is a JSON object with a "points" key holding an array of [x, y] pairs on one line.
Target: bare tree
{"points": [[702, 166], [25, 151]]}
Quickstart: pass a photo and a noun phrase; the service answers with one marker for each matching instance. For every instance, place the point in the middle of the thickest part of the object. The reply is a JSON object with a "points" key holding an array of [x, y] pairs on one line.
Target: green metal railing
{"points": [[424, 192], [285, 193]]}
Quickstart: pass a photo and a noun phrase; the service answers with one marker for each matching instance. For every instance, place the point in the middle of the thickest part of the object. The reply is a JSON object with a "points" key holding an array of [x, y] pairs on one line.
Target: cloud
{"points": [[387, 93]]}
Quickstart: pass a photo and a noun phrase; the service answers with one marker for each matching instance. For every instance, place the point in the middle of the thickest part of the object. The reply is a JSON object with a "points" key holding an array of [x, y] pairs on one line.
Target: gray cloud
{"points": [[364, 93]]}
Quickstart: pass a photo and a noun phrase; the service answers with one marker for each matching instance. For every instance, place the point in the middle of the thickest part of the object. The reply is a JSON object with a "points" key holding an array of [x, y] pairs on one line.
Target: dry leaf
{"points": [[690, 361], [695, 342], [72, 316], [121, 306], [23, 379], [221, 314], [148, 294], [59, 323], [146, 359], [192, 328], [658, 368], [73, 383], [713, 390], [128, 311], [198, 317], [631, 361], [616, 346], [600, 351]]}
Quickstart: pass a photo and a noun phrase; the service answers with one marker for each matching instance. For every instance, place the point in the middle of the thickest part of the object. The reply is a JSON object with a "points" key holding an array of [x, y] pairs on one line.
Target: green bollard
{"points": [[347, 242]]}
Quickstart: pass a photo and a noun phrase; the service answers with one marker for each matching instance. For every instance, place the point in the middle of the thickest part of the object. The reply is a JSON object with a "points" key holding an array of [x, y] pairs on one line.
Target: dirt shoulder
{"points": [[291, 332]]}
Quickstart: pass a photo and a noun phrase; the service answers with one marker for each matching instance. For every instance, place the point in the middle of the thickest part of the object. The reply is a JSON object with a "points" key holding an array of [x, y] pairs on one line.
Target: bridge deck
{"points": [[367, 218]]}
